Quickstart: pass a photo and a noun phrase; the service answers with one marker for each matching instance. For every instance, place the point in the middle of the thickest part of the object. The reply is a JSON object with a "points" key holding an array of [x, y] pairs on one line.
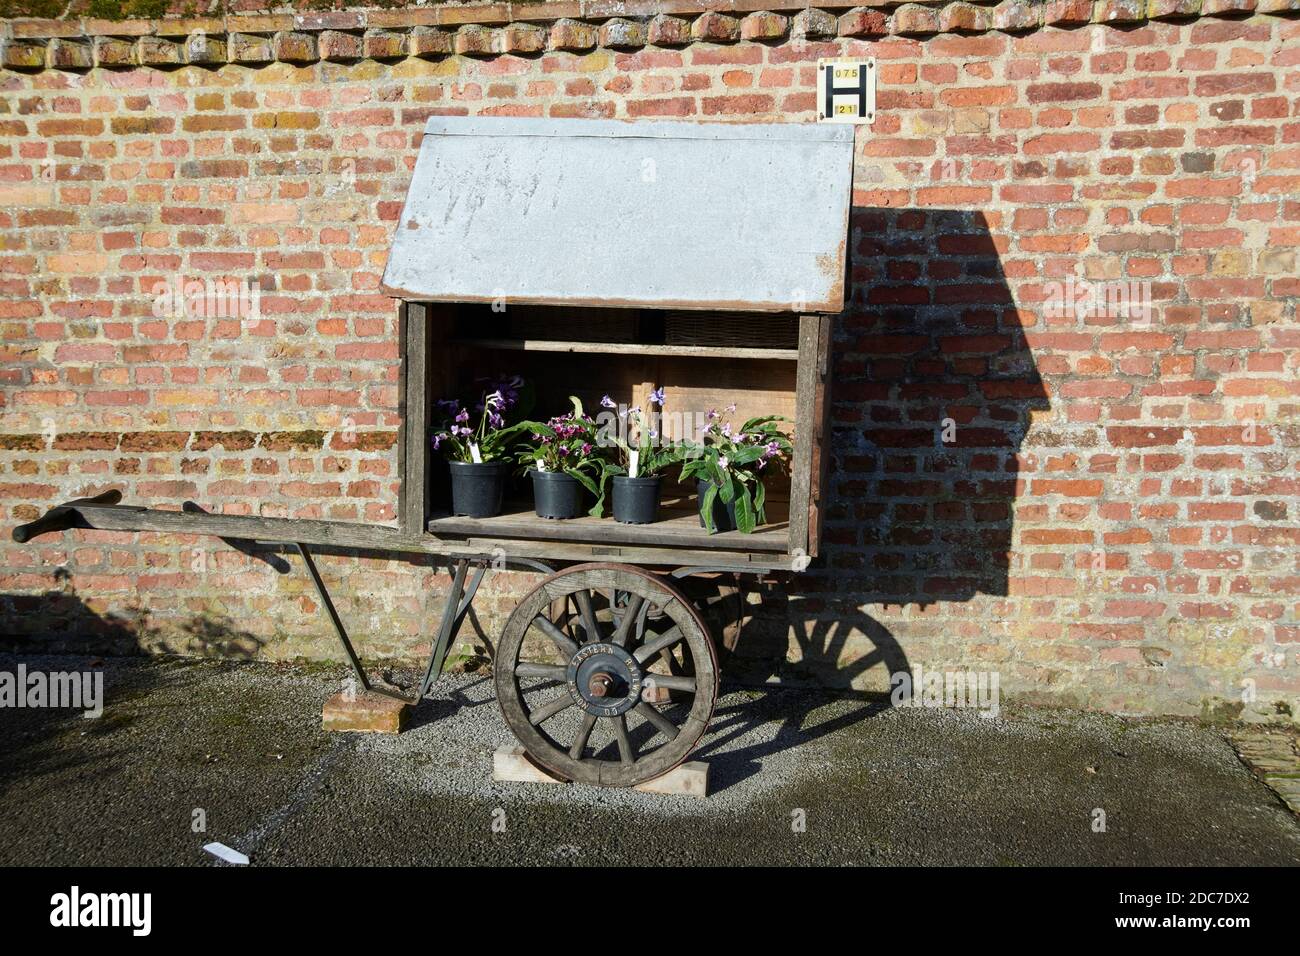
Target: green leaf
{"points": [[753, 423], [540, 427], [706, 507], [760, 502], [743, 456], [598, 509], [694, 469], [745, 512], [724, 482], [582, 479]]}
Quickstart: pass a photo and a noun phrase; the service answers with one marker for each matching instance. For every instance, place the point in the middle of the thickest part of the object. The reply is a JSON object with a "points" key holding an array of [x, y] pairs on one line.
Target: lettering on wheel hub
{"points": [[604, 680]]}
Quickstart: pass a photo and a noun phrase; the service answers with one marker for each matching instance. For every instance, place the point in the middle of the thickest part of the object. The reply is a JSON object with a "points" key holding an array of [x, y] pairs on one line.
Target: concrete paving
{"points": [[189, 752]]}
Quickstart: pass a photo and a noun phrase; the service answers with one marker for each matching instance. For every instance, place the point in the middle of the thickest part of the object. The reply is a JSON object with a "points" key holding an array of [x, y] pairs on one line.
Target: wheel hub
{"points": [[604, 680]]}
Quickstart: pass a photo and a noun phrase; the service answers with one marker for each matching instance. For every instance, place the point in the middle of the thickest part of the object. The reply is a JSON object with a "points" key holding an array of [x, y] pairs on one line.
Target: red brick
{"points": [[998, 163]]}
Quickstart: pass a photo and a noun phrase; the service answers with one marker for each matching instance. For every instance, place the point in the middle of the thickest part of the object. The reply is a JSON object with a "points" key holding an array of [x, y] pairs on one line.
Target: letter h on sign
{"points": [[846, 91]]}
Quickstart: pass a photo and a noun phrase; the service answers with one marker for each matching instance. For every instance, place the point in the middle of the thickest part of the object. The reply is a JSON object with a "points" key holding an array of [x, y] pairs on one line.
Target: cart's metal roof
{"points": [[603, 212]]}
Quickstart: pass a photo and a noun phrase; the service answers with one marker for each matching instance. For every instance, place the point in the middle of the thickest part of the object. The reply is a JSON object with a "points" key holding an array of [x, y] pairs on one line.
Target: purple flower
{"points": [[586, 448], [656, 397], [509, 389], [608, 402], [713, 413], [437, 439], [463, 416]]}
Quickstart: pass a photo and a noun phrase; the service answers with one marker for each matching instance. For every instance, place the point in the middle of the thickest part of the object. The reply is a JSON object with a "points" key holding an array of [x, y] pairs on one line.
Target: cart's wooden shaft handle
{"points": [[62, 517]]}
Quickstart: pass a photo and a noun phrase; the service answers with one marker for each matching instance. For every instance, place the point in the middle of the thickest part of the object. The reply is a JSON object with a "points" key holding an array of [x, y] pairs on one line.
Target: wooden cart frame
{"points": [[630, 643], [790, 546]]}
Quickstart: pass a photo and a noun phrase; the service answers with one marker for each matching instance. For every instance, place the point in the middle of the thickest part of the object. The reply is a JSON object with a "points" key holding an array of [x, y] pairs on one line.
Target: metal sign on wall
{"points": [[846, 91]]}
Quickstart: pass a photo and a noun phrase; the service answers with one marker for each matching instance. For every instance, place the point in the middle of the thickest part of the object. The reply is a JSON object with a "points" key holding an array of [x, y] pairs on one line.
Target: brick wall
{"points": [[1101, 507]]}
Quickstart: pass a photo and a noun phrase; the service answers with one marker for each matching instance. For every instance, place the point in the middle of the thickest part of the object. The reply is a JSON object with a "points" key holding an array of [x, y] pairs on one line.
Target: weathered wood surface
{"points": [[632, 348], [355, 536], [805, 398], [63, 517], [511, 764], [415, 421], [818, 469], [681, 530], [403, 400]]}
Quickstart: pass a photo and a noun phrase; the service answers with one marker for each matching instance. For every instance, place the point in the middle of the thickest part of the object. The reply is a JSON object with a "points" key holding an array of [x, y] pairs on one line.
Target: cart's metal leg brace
{"points": [[457, 605]]}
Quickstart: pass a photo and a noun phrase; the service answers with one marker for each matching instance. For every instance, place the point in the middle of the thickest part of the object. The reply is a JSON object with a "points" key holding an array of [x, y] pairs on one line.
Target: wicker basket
{"points": [[574, 325], [732, 328]]}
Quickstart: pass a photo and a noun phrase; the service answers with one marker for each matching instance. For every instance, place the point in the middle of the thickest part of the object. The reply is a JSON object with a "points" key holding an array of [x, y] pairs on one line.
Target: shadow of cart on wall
{"points": [[933, 391]]}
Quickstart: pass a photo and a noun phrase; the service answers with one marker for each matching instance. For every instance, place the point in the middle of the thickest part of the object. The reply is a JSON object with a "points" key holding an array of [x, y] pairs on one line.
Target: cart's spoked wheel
{"points": [[622, 694]]}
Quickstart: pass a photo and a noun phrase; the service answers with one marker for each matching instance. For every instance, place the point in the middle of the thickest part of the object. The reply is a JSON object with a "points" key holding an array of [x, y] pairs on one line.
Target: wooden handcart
{"points": [[593, 258]]}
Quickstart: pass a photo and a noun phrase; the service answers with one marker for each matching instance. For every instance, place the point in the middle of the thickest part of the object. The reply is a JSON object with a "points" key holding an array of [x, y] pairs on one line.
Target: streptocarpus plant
{"points": [[634, 437], [733, 462], [481, 435], [568, 444]]}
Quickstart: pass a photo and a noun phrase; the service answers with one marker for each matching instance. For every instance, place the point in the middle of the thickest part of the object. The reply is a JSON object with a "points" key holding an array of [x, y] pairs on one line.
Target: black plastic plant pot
{"points": [[636, 500], [556, 495], [724, 514], [477, 487]]}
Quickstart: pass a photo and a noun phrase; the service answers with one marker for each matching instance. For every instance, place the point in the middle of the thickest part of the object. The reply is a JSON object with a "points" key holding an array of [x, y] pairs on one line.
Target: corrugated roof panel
{"points": [[601, 212]]}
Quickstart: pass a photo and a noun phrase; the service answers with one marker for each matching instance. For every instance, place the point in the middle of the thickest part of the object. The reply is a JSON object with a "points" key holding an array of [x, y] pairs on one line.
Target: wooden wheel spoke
{"points": [[549, 710], [647, 651], [626, 754], [661, 723], [631, 612], [553, 671], [672, 682], [588, 616], [584, 734], [561, 640], [564, 622], [626, 607]]}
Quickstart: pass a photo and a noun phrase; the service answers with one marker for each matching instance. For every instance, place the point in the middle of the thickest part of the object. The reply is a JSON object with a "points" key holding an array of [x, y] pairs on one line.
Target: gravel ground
{"points": [[238, 748]]}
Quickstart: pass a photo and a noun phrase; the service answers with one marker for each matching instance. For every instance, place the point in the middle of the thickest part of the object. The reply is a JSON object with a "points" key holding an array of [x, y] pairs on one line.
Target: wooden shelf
{"points": [[631, 348], [676, 528]]}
